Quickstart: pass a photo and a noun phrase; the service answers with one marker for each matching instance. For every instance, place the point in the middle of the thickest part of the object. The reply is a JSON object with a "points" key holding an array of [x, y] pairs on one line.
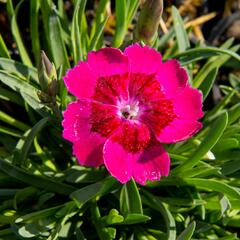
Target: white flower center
{"points": [[129, 110]]}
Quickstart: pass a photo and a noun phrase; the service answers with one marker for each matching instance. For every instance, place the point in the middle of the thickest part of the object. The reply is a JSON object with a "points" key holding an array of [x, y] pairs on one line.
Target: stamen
{"points": [[129, 111]]}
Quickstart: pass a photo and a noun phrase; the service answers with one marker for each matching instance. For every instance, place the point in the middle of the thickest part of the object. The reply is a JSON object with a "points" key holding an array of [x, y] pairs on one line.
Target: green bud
{"points": [[47, 65], [53, 88], [148, 21], [44, 98], [46, 72], [47, 78]]}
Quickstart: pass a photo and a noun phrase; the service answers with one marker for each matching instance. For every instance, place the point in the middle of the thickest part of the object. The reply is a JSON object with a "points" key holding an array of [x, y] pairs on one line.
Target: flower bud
{"points": [[53, 88], [46, 72], [44, 98], [148, 21]]}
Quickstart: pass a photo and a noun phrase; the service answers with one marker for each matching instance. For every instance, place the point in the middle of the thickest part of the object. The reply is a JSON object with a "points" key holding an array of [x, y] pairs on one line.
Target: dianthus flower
{"points": [[128, 103]]}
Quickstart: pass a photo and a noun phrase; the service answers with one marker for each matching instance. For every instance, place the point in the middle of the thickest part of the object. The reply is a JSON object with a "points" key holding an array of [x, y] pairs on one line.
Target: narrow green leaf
{"points": [[10, 8], [10, 96], [23, 194], [130, 200], [181, 34], [18, 68], [214, 134], [188, 232], [85, 194], [10, 131], [3, 49], [91, 191], [34, 180], [84, 36], [219, 107], [62, 228], [157, 205], [46, 8], [226, 144], [234, 81], [214, 185], [165, 39], [95, 40], [198, 53], [234, 114], [214, 62], [76, 31], [24, 144], [100, 11], [28, 92], [186, 202], [17, 36], [5, 232], [121, 22], [58, 48], [81, 174], [34, 8], [230, 167], [40, 214], [12, 121], [134, 218], [132, 7], [201, 171], [207, 84]]}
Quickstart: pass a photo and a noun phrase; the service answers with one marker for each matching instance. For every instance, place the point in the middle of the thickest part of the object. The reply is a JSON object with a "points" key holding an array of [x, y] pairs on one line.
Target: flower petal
{"points": [[77, 129], [188, 109], [153, 163], [89, 151], [111, 89], [75, 118], [172, 77], [107, 62], [80, 81], [133, 136], [143, 59], [188, 104], [149, 164], [118, 161], [122, 149], [179, 130]]}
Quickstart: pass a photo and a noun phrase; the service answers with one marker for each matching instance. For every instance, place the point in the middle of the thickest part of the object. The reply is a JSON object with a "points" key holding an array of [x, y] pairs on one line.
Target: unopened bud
{"points": [[53, 88], [46, 72], [47, 65], [148, 21], [44, 98]]}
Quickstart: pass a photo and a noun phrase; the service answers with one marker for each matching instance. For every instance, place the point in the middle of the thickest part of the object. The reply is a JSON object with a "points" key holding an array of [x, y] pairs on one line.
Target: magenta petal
{"points": [[118, 161], [153, 163], [77, 129], [107, 62], [89, 151], [188, 109], [80, 81], [143, 59], [172, 77], [149, 164], [188, 104], [74, 119], [179, 130]]}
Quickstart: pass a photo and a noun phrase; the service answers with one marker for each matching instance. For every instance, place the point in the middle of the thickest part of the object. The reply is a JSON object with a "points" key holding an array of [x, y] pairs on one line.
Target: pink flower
{"points": [[127, 105]]}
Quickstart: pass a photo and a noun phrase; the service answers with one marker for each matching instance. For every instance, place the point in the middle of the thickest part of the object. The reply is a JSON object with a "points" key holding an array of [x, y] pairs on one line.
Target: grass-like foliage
{"points": [[45, 194]]}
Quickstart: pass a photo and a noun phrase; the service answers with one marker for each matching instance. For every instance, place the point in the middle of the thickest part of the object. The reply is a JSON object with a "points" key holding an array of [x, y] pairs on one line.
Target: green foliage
{"points": [[44, 194]]}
